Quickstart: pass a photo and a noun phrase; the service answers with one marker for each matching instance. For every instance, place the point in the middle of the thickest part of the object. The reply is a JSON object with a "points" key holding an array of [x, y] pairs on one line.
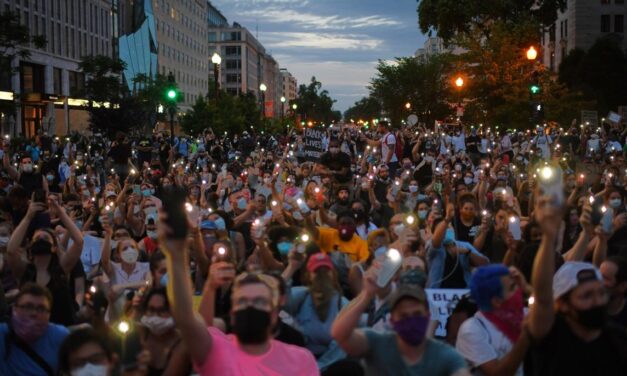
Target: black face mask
{"points": [[251, 325], [41, 248], [593, 318]]}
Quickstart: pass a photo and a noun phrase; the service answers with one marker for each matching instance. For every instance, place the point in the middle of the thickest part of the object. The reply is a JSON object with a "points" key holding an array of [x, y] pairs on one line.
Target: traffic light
{"points": [[171, 92], [534, 87]]}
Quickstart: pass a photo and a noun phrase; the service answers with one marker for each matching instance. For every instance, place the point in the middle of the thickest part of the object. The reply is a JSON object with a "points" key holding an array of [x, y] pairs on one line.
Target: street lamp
{"points": [[263, 89], [216, 60], [459, 82], [282, 109], [532, 53]]}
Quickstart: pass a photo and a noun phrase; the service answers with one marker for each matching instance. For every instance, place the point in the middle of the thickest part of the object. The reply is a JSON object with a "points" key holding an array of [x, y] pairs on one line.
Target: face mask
{"points": [[152, 234], [412, 330], [147, 192], [458, 168], [4, 240], [468, 181], [129, 255], [398, 229], [157, 325], [241, 203], [136, 209], [413, 188], [164, 280], [79, 224], [422, 214], [593, 318], [220, 224], [41, 248], [284, 247], [380, 251], [109, 193], [615, 203], [50, 177], [334, 150], [429, 158], [27, 328], [86, 193], [27, 168], [346, 232], [90, 369], [508, 316], [251, 325]]}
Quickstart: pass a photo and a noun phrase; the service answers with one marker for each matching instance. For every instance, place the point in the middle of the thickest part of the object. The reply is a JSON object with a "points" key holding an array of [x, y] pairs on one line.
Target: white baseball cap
{"points": [[571, 275]]}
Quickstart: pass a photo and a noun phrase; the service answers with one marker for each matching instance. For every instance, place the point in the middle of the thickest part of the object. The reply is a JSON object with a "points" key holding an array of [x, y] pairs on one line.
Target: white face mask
{"points": [[129, 255], [157, 325], [4, 240], [91, 369], [152, 234], [413, 188], [398, 229]]}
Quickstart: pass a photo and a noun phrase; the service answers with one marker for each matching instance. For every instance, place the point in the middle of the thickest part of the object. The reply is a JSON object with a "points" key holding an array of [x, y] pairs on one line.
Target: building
{"points": [[579, 25], [290, 87], [435, 46], [215, 17], [181, 28], [45, 87]]}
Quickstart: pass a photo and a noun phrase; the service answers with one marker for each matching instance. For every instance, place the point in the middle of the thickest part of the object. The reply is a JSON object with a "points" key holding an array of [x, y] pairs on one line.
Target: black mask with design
{"points": [[251, 325], [41, 248]]}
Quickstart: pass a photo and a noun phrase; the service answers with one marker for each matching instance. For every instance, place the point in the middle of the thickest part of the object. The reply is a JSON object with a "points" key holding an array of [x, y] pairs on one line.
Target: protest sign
{"points": [[441, 304], [314, 143]]}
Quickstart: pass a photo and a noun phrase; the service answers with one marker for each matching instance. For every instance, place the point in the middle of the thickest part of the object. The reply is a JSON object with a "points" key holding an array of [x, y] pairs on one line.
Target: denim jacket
{"points": [[436, 258]]}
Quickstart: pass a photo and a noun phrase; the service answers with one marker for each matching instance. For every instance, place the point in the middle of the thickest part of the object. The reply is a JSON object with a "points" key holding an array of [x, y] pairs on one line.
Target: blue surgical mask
{"points": [[147, 192], [422, 214], [241, 203], [615, 203], [164, 280], [284, 247], [220, 224]]}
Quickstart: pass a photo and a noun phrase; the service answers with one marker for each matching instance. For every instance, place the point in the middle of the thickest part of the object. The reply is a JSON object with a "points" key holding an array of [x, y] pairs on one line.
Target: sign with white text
{"points": [[442, 302], [314, 145]]}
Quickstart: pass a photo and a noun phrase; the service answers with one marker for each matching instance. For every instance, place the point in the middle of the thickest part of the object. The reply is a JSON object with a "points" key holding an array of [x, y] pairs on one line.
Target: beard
{"points": [[322, 292]]}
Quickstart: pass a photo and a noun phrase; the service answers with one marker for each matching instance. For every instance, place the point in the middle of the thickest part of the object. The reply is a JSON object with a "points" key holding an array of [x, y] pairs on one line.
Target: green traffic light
{"points": [[171, 94], [535, 89]]}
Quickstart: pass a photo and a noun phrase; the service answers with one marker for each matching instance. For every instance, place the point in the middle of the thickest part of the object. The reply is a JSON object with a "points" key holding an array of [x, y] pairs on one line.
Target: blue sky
{"points": [[338, 41]]}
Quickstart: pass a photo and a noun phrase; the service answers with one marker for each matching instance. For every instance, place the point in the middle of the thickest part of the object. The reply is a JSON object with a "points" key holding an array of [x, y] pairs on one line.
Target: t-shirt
{"points": [[121, 153], [561, 352], [356, 248], [226, 359], [479, 341], [140, 273], [336, 163], [47, 347], [384, 358], [388, 143]]}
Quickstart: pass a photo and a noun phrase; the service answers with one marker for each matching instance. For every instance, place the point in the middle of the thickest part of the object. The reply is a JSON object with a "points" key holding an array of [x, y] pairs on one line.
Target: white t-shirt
{"points": [[388, 142], [479, 342], [459, 142]]}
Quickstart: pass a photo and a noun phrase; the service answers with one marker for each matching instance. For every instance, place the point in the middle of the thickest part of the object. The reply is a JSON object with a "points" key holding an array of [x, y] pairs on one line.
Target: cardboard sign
{"points": [[590, 118], [314, 147], [442, 302]]}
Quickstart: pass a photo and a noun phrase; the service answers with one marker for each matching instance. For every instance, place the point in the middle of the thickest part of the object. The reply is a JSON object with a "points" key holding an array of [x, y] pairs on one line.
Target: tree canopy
{"points": [[315, 104]]}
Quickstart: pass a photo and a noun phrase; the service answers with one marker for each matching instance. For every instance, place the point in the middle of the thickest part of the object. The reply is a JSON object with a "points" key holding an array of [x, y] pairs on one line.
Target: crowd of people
{"points": [[245, 254]]}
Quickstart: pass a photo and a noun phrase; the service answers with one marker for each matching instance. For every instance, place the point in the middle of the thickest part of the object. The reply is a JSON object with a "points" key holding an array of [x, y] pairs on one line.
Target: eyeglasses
{"points": [[31, 308]]}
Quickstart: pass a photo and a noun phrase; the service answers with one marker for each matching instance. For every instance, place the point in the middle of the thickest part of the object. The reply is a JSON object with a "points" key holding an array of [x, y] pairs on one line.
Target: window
{"points": [[566, 28], [77, 83], [232, 50], [233, 64], [56, 77], [233, 78], [605, 23], [619, 21]]}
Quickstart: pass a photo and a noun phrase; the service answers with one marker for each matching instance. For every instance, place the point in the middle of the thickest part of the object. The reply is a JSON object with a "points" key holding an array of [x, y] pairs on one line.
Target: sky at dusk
{"points": [[338, 41]]}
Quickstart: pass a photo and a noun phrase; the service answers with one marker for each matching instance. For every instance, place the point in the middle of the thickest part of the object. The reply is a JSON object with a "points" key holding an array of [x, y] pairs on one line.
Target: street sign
{"points": [[314, 147], [613, 117], [590, 118]]}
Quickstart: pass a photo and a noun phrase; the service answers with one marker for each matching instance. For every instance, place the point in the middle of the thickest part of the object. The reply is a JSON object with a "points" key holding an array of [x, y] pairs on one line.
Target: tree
{"points": [[421, 83], [452, 17], [226, 113], [365, 108], [600, 73], [315, 104], [14, 42]]}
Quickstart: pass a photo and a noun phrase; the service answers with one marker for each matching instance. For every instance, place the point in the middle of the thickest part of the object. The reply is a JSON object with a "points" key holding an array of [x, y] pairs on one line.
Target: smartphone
{"points": [[514, 227], [606, 220], [391, 262], [302, 206], [222, 254], [109, 213], [130, 343], [396, 187], [39, 195], [552, 184], [174, 206], [597, 210], [137, 190], [301, 242], [192, 214], [258, 228]]}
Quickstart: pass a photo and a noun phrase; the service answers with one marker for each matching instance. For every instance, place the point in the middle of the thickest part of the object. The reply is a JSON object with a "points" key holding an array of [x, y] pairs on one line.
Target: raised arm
{"points": [[440, 229], [542, 313], [73, 254], [192, 327], [220, 274], [578, 251], [16, 262]]}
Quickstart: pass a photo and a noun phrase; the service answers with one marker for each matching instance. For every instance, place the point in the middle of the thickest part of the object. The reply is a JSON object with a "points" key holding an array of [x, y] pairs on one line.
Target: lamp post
{"points": [[171, 96], [282, 109], [263, 89], [408, 106], [532, 53], [216, 60]]}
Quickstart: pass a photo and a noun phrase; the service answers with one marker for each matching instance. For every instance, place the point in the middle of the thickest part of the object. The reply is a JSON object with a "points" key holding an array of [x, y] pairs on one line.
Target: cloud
{"points": [[318, 22], [275, 39]]}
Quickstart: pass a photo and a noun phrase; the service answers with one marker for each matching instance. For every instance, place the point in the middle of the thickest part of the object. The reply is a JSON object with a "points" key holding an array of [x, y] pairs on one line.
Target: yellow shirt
{"points": [[329, 240]]}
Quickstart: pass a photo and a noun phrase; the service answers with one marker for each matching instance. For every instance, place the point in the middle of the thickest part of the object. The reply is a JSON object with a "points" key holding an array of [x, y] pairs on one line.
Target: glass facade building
{"points": [[138, 43]]}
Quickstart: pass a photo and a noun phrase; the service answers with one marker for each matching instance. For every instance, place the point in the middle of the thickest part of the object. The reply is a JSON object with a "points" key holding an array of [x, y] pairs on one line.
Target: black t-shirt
{"points": [[121, 153], [472, 144], [31, 181], [424, 175], [454, 273], [336, 163], [466, 233], [561, 352]]}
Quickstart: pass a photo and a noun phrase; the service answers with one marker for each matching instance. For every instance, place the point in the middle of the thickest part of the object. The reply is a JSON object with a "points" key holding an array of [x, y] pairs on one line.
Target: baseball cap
{"points": [[317, 261], [407, 291], [571, 274]]}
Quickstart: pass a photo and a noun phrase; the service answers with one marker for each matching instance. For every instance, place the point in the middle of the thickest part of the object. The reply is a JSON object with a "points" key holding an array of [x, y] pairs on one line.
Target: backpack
{"points": [[398, 147]]}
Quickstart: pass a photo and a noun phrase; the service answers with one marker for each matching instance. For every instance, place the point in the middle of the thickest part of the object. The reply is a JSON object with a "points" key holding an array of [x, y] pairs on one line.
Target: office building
{"points": [[579, 25], [435, 46], [45, 87], [215, 17], [290, 87], [163, 37]]}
